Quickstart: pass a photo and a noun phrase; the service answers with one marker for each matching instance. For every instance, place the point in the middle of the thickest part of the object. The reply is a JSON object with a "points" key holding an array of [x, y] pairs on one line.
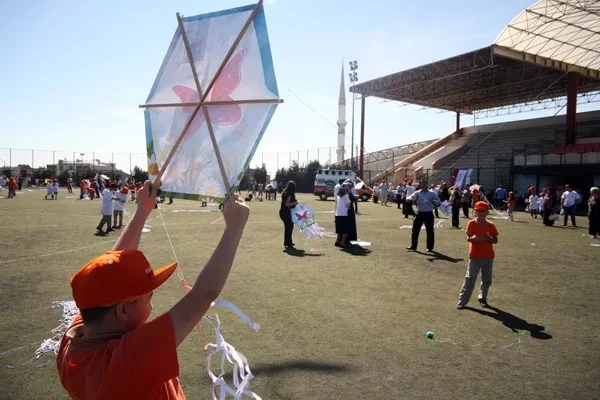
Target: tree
{"points": [[260, 174], [63, 176], [294, 168], [7, 172], [281, 175], [139, 174], [314, 165]]}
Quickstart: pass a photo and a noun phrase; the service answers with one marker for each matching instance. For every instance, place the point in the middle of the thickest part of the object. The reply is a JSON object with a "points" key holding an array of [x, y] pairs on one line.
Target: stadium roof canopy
{"points": [[528, 62]]}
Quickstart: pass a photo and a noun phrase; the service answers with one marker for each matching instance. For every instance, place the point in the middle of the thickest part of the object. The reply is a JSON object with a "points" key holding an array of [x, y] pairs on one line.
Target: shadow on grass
{"points": [[291, 366], [513, 322], [441, 257], [292, 251], [355, 250]]}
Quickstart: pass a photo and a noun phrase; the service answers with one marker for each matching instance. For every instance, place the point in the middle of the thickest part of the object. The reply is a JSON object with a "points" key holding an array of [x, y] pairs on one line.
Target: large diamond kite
{"points": [[211, 102]]}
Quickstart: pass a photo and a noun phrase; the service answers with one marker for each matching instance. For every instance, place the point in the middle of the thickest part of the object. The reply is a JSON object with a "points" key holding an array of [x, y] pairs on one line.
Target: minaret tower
{"points": [[341, 121]]}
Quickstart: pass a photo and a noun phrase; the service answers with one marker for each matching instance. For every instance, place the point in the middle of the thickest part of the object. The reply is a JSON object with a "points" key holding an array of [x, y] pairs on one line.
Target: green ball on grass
{"points": [[430, 335]]}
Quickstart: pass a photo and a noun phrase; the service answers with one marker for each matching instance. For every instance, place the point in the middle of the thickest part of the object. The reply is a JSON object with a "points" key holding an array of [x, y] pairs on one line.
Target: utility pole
{"points": [[353, 79]]}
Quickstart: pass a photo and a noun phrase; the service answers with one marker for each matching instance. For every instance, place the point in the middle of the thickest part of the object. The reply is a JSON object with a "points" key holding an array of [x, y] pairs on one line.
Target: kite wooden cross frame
{"points": [[202, 95]]}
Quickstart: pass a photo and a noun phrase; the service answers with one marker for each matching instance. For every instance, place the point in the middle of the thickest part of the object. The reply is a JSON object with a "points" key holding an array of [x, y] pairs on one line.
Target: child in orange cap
{"points": [[111, 351], [481, 235]]}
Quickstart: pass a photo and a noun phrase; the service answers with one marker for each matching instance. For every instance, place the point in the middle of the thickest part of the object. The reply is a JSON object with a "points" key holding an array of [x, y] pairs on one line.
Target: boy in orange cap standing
{"points": [[111, 351], [481, 235]]}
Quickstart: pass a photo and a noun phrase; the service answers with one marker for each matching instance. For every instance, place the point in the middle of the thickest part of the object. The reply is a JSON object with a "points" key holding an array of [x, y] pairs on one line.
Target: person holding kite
{"points": [[111, 351], [288, 202], [343, 224]]}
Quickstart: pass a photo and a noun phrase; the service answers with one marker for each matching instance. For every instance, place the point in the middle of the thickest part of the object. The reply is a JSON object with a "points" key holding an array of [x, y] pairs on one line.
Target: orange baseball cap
{"points": [[116, 276], [482, 205]]}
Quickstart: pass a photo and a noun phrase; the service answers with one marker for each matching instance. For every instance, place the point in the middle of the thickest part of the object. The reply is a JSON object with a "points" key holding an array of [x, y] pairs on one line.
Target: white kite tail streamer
{"points": [[241, 370], [69, 312], [315, 231]]}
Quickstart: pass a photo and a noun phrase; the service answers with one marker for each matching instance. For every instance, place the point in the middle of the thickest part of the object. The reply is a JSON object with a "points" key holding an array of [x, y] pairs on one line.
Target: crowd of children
{"points": [[258, 191]]}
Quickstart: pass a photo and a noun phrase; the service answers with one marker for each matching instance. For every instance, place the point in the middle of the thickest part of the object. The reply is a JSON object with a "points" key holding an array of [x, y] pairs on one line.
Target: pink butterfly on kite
{"points": [[302, 216], [225, 84]]}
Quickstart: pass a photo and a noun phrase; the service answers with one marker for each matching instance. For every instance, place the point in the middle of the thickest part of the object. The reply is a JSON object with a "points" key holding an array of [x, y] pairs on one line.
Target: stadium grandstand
{"points": [[547, 56], [376, 162]]}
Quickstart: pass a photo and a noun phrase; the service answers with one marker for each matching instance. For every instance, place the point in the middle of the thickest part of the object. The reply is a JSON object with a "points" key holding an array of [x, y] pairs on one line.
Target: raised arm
{"points": [[146, 200], [289, 203], [192, 307]]}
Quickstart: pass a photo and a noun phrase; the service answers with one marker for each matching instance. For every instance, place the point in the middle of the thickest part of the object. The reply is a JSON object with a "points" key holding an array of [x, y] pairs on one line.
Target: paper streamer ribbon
{"points": [[304, 217], [69, 312], [241, 369], [438, 225]]}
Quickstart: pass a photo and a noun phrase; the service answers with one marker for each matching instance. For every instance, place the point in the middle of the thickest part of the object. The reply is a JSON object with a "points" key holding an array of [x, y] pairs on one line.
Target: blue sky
{"points": [[74, 72]]}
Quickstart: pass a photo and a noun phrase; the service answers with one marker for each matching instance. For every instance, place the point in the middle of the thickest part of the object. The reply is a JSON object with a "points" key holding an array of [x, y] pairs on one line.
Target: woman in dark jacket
{"points": [[288, 201], [550, 205], [455, 202]]}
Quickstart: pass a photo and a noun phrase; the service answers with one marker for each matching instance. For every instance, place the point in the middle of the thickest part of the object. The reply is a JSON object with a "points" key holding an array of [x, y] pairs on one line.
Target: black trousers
{"points": [[423, 217], [455, 214], [465, 207], [407, 208], [594, 228], [288, 226], [547, 214]]}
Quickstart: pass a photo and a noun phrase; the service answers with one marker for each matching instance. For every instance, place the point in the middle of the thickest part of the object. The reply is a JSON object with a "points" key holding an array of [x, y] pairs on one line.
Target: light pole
{"points": [[81, 154], [353, 79]]}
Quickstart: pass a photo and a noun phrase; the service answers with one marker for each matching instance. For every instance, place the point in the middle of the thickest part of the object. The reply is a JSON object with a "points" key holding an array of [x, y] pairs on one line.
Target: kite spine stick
{"points": [[213, 103], [188, 51], [176, 145], [250, 101], [237, 41], [201, 96], [162, 105]]}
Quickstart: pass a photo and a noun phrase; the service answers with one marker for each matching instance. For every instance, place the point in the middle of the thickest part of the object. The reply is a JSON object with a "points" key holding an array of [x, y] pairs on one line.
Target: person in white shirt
{"points": [[342, 219], [407, 209], [399, 190], [48, 190], [541, 201], [383, 194], [336, 189], [106, 209], [533, 205], [119, 207], [273, 189], [569, 200]]}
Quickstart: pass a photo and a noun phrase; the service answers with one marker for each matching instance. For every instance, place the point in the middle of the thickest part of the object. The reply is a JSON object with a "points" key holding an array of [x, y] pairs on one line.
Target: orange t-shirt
{"points": [[481, 250], [141, 364]]}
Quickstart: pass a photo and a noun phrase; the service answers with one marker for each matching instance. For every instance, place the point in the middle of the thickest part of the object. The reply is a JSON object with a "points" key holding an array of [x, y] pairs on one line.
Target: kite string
{"points": [[187, 288]]}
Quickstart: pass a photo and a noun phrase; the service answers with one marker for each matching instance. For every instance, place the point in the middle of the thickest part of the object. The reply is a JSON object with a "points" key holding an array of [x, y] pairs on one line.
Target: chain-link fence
{"points": [[56, 162]]}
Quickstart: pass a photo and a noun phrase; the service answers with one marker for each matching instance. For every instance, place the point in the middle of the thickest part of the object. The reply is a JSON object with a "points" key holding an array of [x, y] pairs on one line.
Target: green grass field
{"points": [[334, 325]]}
